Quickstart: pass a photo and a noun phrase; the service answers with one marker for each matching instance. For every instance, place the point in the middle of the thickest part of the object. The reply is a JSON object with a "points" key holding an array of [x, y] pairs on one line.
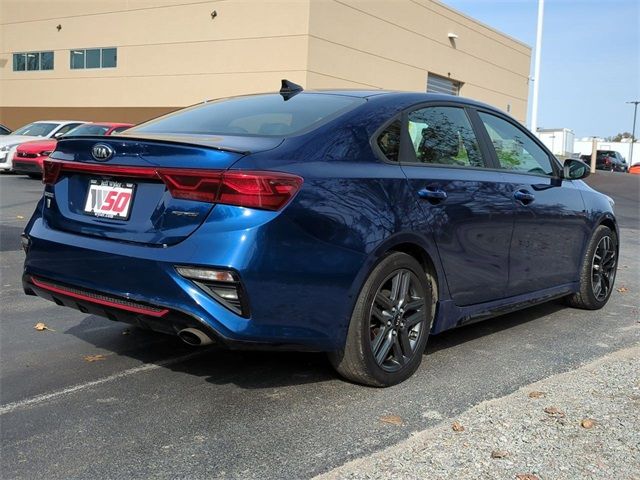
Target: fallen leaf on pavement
{"points": [[587, 423], [94, 358], [554, 412], [623, 289], [20, 217], [392, 419], [499, 454], [457, 426], [526, 476], [41, 327], [536, 394]]}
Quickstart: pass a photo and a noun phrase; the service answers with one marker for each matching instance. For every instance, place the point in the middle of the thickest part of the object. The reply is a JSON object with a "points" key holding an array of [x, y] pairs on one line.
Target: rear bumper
{"points": [[146, 276]]}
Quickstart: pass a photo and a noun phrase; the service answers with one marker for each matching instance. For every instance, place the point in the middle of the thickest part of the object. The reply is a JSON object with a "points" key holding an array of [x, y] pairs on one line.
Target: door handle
{"points": [[432, 195], [524, 196]]}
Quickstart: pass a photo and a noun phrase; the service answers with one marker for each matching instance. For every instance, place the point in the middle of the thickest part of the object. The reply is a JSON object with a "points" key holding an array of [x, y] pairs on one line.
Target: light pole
{"points": [[536, 69], [633, 130]]}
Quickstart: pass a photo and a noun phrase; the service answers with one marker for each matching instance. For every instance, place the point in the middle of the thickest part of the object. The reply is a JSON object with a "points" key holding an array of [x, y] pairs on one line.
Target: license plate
{"points": [[109, 199]]}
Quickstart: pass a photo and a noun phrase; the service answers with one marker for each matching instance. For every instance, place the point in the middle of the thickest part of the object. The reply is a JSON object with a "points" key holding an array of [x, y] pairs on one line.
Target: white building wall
{"points": [[560, 141]]}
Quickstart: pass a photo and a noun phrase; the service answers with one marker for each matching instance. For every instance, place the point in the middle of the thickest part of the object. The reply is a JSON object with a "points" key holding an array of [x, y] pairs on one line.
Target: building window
{"points": [[31, 61], [438, 84], [93, 58]]}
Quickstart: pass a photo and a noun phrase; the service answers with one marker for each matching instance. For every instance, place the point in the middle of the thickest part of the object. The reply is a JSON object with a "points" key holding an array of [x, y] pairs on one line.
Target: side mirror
{"points": [[58, 135], [575, 169]]}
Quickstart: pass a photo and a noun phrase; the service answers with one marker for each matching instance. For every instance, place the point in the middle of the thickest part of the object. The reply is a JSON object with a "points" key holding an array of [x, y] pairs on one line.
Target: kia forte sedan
{"points": [[356, 223]]}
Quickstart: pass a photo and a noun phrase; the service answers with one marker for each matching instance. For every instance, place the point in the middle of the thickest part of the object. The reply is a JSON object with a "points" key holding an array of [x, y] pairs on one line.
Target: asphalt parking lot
{"points": [[148, 406]]}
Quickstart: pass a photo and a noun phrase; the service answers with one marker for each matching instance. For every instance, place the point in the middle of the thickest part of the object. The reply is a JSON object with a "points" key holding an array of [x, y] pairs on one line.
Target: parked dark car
{"points": [[4, 130], [610, 160], [352, 222]]}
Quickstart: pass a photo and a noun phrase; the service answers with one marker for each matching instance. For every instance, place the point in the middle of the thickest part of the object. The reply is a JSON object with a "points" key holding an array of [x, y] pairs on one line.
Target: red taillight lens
{"points": [[264, 190], [50, 172], [198, 185]]}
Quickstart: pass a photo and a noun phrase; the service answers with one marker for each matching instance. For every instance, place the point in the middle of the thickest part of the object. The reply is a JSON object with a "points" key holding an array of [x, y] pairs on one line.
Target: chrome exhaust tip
{"points": [[194, 337]]}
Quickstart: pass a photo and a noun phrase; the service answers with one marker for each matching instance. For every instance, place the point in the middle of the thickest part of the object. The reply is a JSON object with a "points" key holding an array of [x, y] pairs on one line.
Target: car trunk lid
{"points": [[117, 187]]}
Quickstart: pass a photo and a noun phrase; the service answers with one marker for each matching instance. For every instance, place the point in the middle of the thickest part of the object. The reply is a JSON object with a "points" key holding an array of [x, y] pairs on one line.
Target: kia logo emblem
{"points": [[102, 152]]}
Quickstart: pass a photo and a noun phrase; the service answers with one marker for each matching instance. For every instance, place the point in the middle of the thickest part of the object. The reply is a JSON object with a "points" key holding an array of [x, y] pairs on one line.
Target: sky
{"points": [[590, 62]]}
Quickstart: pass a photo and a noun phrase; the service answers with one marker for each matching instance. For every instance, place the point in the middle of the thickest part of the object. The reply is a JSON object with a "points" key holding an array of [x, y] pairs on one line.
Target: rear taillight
{"points": [[263, 190], [51, 172]]}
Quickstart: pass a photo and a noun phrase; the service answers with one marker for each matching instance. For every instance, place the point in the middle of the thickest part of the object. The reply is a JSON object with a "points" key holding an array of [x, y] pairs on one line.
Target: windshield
{"points": [[263, 115], [36, 129], [87, 130]]}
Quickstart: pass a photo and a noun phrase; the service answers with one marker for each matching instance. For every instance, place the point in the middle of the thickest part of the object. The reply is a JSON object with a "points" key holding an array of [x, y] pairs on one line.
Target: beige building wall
{"points": [[172, 53]]}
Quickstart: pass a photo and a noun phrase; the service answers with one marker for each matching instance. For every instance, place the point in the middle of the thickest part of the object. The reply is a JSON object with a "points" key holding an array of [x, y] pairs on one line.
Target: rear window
{"points": [[606, 153], [261, 115]]}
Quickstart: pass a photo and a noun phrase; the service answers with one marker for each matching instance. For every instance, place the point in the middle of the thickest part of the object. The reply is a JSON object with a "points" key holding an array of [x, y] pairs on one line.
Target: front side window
{"points": [[93, 58], [443, 136], [118, 130], [514, 148]]}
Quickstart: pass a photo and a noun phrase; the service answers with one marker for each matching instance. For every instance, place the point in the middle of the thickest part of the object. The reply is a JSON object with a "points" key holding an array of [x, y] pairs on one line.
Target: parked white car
{"points": [[32, 131]]}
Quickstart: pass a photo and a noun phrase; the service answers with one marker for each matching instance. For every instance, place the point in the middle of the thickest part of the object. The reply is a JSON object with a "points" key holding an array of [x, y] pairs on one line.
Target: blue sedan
{"points": [[356, 223]]}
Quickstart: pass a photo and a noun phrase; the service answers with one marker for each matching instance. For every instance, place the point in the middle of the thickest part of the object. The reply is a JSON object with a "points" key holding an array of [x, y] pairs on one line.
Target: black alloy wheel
{"points": [[598, 271], [396, 320], [389, 325]]}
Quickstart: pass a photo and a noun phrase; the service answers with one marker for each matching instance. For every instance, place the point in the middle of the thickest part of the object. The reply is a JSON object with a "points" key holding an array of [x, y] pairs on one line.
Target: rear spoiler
{"points": [[243, 145]]}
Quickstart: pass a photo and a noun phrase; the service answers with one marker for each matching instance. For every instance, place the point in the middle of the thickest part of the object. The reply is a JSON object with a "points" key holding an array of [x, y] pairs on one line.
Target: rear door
{"points": [[466, 210], [550, 227]]}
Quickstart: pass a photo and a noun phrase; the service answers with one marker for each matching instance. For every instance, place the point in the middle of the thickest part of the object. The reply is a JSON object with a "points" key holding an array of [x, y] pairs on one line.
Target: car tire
{"points": [[393, 313], [598, 271]]}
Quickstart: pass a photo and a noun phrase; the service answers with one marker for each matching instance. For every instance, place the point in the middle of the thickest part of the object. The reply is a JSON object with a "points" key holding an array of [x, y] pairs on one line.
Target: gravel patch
{"points": [[583, 424]]}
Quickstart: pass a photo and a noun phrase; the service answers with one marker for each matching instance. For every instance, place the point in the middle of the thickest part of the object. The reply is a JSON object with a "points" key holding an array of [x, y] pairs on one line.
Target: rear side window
{"points": [[261, 115], [444, 136], [389, 141], [514, 148]]}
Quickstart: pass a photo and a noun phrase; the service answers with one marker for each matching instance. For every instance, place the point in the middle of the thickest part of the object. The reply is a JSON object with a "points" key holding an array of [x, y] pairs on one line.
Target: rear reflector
{"points": [[262, 190]]}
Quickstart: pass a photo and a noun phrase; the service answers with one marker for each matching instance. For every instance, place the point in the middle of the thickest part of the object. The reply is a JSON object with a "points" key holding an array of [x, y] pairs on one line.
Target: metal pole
{"points": [[633, 131], [594, 153], [536, 69]]}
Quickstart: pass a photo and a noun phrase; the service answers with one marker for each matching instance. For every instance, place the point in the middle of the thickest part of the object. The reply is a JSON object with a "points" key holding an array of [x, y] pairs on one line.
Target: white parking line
{"points": [[27, 402]]}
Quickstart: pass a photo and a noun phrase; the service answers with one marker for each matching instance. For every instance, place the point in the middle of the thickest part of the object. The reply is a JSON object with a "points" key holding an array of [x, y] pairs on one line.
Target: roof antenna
{"points": [[289, 89]]}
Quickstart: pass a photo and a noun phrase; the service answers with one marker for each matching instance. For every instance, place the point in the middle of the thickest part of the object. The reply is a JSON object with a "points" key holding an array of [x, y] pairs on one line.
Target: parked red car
{"points": [[29, 156]]}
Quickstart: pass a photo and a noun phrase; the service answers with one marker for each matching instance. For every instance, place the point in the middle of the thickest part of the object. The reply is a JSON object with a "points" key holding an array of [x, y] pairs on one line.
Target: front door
{"points": [[550, 230]]}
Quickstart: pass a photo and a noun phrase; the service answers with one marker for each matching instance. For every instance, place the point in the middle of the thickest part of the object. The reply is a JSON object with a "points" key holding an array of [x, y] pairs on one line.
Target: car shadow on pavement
{"points": [[263, 369]]}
